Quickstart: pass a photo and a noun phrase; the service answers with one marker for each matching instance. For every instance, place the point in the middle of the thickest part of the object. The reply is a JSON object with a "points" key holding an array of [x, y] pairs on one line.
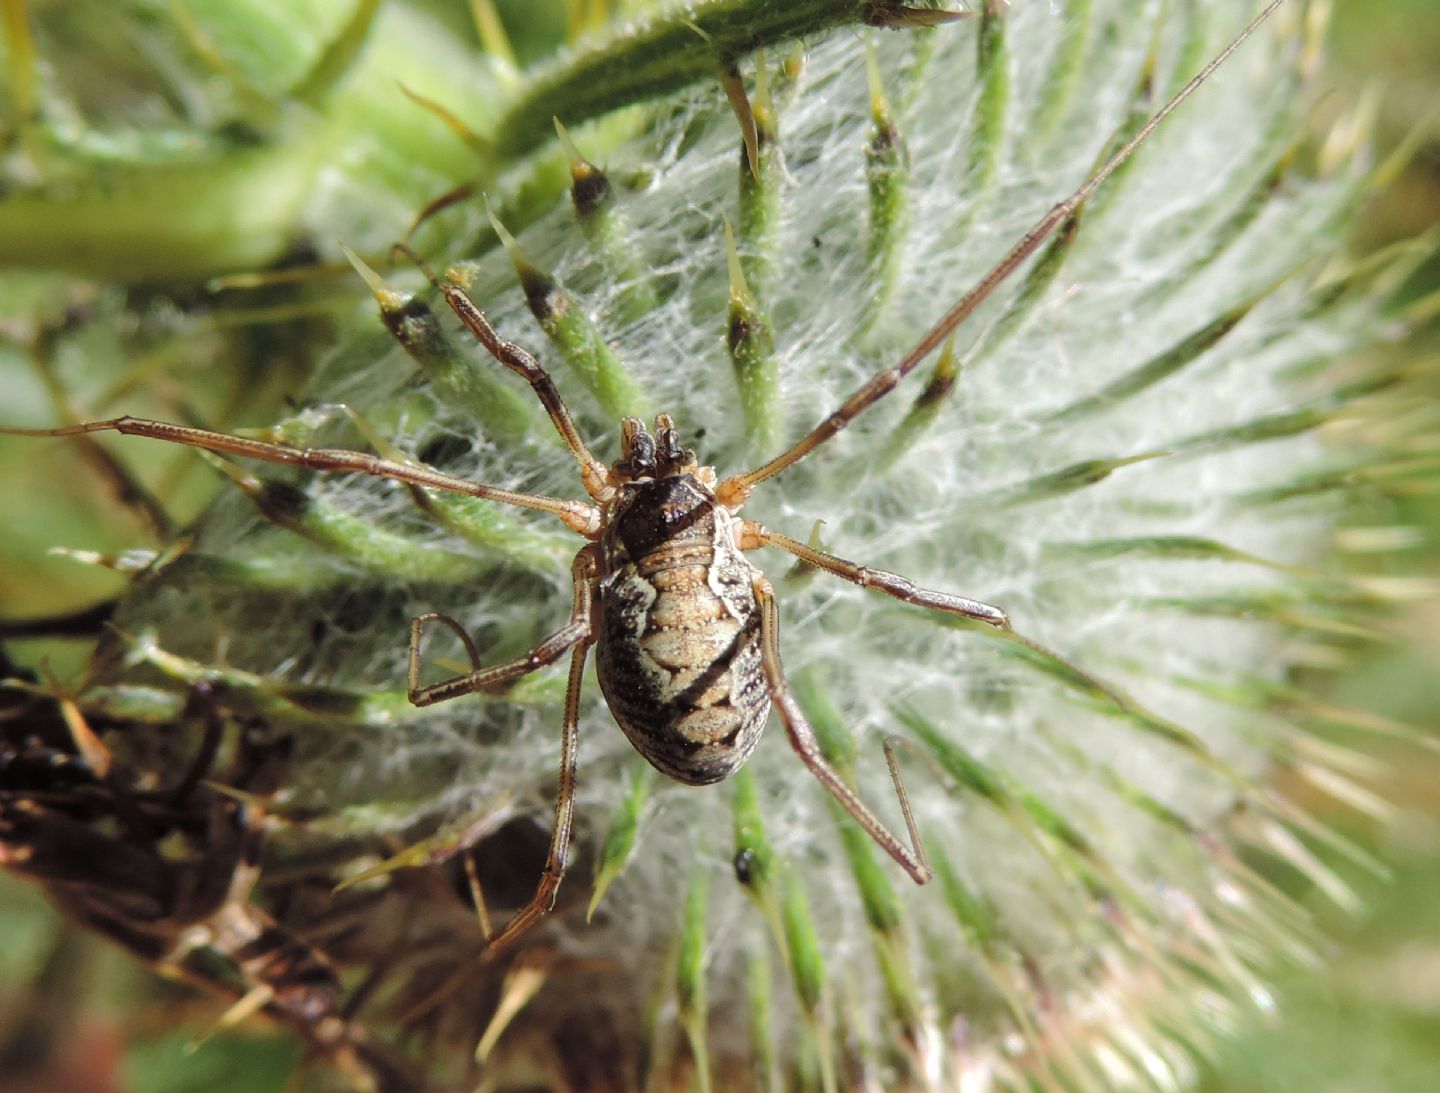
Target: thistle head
{"points": [[1140, 447]]}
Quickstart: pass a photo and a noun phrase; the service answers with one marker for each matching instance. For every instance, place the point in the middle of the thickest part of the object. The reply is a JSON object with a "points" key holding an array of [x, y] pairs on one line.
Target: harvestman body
{"points": [[685, 628]]}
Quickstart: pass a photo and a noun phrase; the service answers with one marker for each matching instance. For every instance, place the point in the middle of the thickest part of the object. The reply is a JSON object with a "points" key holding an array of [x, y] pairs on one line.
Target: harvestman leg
{"points": [[753, 535], [593, 473], [582, 572], [733, 490], [556, 859], [577, 635], [579, 516], [807, 746]]}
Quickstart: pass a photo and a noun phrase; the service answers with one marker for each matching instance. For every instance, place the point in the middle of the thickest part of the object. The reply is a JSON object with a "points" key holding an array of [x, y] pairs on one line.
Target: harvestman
{"points": [[686, 629]]}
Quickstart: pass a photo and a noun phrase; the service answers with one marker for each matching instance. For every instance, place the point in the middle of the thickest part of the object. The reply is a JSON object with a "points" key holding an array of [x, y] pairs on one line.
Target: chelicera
{"points": [[685, 628]]}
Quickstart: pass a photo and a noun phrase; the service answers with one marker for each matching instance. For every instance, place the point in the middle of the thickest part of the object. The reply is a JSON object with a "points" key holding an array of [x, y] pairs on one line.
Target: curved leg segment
{"points": [[578, 629], [802, 738], [575, 636]]}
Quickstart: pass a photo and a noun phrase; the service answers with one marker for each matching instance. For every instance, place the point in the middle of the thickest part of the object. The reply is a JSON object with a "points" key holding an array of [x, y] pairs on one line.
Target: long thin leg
{"points": [[803, 740], [580, 516], [753, 535], [733, 491], [592, 472], [555, 862], [578, 629]]}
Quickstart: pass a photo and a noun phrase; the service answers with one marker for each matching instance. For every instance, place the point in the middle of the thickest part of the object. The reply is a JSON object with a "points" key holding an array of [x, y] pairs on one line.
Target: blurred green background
{"points": [[1365, 1018]]}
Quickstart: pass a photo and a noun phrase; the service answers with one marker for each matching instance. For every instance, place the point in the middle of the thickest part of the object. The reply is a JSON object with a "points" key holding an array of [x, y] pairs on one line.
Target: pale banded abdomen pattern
{"points": [[679, 654]]}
